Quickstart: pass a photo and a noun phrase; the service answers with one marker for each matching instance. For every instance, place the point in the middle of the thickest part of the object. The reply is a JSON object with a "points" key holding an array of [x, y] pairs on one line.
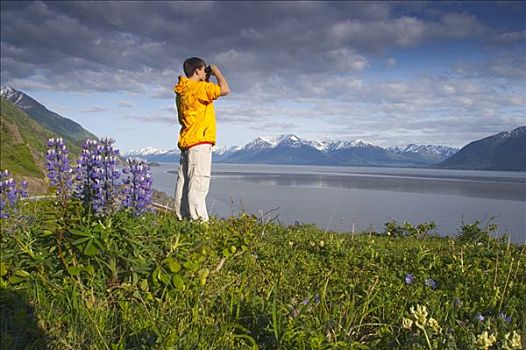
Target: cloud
{"points": [[290, 64], [167, 119], [96, 109]]}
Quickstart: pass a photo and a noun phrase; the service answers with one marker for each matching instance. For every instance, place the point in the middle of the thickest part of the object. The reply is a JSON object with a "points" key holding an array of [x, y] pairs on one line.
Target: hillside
{"points": [[23, 142], [503, 151], [24, 145], [64, 127]]}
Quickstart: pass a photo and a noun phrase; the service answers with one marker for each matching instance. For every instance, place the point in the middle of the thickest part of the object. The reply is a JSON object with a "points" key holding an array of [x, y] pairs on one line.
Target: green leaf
{"points": [[173, 265], [203, 274], [144, 285], [22, 273], [164, 278], [3, 269], [15, 279], [226, 253], [90, 249], [191, 265], [178, 282], [89, 269], [81, 240], [74, 270]]}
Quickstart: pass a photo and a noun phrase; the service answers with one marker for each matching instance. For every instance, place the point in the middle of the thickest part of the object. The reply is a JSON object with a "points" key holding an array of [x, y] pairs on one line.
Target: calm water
{"points": [[357, 198]]}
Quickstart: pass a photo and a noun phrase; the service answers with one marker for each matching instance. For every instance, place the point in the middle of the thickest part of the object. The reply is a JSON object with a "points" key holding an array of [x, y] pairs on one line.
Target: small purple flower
{"points": [[137, 187], [479, 317], [504, 317], [409, 278], [58, 170], [317, 299], [10, 194], [458, 302], [306, 301], [431, 283]]}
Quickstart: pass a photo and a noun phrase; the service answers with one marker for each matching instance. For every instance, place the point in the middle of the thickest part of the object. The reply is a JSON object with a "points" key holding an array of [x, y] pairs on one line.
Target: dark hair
{"points": [[192, 64]]}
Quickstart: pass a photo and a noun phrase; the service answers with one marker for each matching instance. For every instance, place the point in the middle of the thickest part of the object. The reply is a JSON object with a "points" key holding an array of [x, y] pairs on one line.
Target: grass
{"points": [[70, 281]]}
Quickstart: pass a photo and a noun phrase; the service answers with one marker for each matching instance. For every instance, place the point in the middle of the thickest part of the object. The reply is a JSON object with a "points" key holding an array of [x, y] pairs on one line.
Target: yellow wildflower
{"points": [[435, 326], [407, 323], [485, 340], [512, 341], [420, 315]]}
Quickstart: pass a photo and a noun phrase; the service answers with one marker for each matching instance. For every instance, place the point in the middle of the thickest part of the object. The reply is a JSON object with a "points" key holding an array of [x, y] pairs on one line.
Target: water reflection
{"points": [[481, 187]]}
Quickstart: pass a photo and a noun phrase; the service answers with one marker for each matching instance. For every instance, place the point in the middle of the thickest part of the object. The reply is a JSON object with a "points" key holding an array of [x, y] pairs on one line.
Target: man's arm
{"points": [[221, 81]]}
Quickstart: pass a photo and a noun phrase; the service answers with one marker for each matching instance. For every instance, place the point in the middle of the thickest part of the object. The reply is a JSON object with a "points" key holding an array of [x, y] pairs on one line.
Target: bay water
{"points": [[353, 199]]}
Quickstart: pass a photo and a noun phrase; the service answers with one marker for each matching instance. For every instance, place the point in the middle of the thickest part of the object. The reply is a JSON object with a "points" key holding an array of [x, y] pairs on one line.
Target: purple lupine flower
{"points": [[409, 278], [97, 175], [431, 283], [479, 317], [10, 193], [137, 187], [504, 317], [58, 170]]}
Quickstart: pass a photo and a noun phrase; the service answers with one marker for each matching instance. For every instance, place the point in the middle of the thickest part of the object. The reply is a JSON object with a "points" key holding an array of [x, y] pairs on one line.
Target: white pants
{"points": [[193, 182]]}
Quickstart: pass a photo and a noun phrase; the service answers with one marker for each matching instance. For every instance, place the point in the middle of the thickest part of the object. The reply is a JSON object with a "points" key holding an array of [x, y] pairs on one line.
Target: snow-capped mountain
{"points": [[291, 149], [438, 150], [154, 154], [502, 151], [65, 127]]}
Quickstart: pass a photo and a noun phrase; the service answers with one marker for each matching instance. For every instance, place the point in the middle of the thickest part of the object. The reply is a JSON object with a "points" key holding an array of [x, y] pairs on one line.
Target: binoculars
{"points": [[208, 71]]}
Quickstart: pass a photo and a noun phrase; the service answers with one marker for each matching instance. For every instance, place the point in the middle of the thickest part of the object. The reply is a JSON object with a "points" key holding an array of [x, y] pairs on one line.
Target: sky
{"points": [[390, 73]]}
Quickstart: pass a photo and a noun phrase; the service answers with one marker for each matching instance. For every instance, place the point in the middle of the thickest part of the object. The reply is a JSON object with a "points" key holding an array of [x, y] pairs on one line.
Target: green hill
{"points": [[62, 127], [23, 142], [23, 145]]}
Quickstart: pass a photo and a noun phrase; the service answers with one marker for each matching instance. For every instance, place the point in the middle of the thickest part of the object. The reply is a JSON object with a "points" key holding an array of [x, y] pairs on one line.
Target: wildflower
{"points": [[58, 168], [317, 298], [10, 193], [312, 243], [504, 317], [97, 175], [137, 186], [407, 323], [458, 302], [512, 341], [431, 283], [420, 315], [435, 326], [409, 278], [479, 317], [306, 301], [322, 243], [485, 340], [291, 243]]}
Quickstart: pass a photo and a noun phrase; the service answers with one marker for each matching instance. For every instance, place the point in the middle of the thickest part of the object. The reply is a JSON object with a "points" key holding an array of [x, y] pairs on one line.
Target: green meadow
{"points": [[74, 281]]}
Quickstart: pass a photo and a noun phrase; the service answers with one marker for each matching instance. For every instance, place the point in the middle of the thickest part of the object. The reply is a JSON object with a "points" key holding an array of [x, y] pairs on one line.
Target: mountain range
{"points": [[291, 149], [27, 124]]}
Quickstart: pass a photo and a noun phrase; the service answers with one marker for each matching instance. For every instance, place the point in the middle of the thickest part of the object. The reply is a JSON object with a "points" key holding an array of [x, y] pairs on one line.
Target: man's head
{"points": [[194, 65]]}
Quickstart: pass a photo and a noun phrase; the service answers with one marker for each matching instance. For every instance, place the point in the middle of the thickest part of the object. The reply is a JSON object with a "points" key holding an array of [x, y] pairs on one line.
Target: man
{"points": [[195, 109]]}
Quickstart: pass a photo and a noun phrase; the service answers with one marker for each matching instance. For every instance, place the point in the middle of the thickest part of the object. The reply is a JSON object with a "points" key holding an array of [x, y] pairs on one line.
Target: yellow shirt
{"points": [[196, 112]]}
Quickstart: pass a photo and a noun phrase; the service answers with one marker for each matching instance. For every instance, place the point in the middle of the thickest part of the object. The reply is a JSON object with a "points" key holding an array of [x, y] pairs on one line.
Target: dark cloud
{"points": [[131, 45], [277, 54]]}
